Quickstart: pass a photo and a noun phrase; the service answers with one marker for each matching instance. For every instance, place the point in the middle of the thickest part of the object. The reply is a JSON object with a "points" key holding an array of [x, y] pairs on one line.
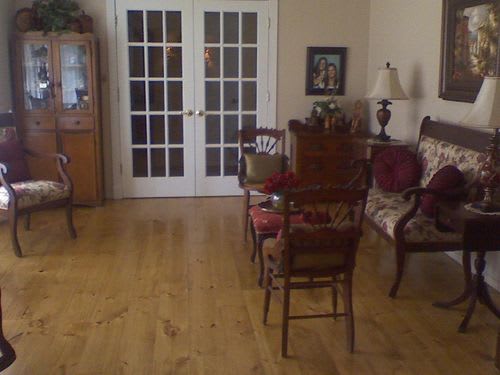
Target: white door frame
{"points": [[115, 142]]}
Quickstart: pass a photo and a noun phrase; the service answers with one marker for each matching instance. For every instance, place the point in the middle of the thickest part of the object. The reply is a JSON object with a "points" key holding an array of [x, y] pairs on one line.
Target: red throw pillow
{"points": [[11, 152], [396, 169], [446, 179]]}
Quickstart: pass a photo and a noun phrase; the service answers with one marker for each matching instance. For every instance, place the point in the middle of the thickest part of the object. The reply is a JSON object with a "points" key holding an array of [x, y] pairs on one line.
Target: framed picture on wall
{"points": [[326, 70], [469, 47]]}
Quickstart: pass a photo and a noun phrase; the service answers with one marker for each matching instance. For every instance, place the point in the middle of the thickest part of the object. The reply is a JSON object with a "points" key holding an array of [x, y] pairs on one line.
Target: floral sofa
{"points": [[397, 217]]}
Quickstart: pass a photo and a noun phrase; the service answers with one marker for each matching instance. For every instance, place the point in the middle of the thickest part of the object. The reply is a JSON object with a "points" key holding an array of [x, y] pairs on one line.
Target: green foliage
{"points": [[55, 15]]}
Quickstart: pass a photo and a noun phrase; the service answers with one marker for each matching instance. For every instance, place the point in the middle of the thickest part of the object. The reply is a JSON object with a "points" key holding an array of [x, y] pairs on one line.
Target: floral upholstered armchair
{"points": [[21, 195]]}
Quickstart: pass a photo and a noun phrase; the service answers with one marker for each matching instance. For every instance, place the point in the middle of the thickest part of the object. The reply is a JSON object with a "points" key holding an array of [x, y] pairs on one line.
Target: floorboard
{"points": [[165, 286]]}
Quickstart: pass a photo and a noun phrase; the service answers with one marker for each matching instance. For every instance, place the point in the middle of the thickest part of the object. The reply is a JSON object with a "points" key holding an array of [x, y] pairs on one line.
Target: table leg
{"points": [[476, 290], [479, 293]]}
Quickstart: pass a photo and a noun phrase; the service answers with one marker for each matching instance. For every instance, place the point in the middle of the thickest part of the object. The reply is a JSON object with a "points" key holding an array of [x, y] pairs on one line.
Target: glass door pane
{"points": [[74, 62], [158, 93], [37, 77], [233, 84]]}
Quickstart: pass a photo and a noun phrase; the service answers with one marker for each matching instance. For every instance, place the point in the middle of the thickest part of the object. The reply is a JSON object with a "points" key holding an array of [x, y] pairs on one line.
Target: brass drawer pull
{"points": [[37, 123], [77, 122]]}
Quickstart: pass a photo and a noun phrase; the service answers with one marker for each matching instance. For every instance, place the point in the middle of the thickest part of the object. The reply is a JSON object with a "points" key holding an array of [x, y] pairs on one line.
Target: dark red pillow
{"points": [[446, 179], [396, 169], [11, 152]]}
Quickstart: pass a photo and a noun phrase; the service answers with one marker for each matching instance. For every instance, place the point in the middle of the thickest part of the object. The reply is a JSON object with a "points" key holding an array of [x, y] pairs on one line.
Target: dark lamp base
{"points": [[383, 137], [484, 206]]}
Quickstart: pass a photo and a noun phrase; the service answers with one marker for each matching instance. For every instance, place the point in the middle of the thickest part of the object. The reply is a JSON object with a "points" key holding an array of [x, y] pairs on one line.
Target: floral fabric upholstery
{"points": [[30, 193], [385, 209], [433, 154]]}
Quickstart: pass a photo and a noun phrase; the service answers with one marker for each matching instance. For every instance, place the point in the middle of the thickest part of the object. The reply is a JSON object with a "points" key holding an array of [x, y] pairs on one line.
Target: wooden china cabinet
{"points": [[58, 108]]}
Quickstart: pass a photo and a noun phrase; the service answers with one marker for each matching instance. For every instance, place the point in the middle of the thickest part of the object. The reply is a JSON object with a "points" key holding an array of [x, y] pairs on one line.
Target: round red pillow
{"points": [[447, 178], [396, 169]]}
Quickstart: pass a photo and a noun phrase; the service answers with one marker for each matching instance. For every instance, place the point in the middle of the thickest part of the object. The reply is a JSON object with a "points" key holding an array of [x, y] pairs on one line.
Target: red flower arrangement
{"points": [[281, 181]]}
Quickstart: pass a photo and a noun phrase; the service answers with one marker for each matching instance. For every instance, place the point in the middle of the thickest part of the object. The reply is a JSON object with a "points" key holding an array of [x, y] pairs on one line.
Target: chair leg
{"points": [[27, 222], [334, 296], [286, 314], [13, 233], [400, 263], [246, 205], [347, 296], [254, 244], [268, 284], [260, 253], [69, 220]]}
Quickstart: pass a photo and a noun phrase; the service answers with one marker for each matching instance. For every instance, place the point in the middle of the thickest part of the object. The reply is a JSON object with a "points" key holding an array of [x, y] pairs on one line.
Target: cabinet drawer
{"points": [[39, 123], [314, 147], [75, 123]]}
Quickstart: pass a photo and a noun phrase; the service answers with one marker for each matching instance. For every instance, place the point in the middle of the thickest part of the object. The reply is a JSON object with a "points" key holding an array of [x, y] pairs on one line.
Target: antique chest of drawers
{"points": [[325, 157]]}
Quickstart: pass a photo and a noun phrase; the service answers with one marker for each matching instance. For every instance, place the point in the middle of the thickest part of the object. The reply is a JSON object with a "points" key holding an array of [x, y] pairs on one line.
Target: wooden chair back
{"points": [[329, 238], [262, 141]]}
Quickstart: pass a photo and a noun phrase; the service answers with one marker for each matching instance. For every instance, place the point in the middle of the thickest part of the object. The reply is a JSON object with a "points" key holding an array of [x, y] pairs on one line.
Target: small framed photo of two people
{"points": [[326, 69]]}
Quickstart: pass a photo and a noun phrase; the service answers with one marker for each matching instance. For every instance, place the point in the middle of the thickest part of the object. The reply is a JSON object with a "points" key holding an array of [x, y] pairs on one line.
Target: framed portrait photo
{"points": [[469, 47], [326, 70]]}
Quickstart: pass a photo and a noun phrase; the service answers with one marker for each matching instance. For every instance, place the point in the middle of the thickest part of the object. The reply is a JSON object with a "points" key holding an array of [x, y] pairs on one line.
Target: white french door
{"points": [[191, 74]]}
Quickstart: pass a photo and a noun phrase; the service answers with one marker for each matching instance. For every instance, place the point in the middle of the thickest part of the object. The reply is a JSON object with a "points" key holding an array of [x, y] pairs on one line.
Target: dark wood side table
{"points": [[480, 234], [375, 147]]}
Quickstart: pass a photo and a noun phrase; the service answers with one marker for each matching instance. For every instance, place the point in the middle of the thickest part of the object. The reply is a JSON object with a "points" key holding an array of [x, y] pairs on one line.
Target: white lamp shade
{"points": [[387, 86], [485, 112]]}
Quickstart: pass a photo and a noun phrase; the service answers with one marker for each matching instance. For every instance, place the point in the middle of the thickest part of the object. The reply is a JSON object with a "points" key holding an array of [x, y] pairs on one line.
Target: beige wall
{"points": [[97, 10], [6, 7], [319, 23], [409, 37]]}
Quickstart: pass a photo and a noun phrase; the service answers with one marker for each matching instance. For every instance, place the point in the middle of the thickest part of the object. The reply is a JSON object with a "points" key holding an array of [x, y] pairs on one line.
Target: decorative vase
{"points": [[278, 200]]}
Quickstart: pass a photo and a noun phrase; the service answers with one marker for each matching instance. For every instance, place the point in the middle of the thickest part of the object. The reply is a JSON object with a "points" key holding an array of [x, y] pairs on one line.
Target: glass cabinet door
{"points": [[74, 92], [37, 77]]}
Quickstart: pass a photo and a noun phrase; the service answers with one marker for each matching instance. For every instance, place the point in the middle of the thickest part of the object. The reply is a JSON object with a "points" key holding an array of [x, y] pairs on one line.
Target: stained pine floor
{"points": [[165, 286]]}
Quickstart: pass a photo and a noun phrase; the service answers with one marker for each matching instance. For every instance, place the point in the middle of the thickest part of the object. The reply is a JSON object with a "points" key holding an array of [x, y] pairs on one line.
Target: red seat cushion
{"points": [[11, 152], [268, 222], [396, 169], [446, 179]]}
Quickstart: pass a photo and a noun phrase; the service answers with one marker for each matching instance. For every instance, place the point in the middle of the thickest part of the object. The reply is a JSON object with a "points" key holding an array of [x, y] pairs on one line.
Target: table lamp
{"points": [[485, 113], [387, 87]]}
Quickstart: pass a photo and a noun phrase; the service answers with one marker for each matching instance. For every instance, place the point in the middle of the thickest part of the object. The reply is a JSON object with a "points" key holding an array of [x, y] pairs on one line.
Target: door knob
{"points": [[187, 112], [200, 113]]}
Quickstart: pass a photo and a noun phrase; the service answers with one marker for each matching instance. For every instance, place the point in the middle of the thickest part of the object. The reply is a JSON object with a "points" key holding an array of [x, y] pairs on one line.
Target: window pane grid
{"points": [[150, 80]]}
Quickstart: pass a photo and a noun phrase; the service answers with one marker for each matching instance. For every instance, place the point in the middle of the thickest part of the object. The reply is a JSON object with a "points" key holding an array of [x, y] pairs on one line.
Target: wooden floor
{"points": [[166, 287]]}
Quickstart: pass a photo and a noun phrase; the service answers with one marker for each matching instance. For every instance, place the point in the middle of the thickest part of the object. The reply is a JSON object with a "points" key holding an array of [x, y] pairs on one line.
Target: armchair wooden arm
{"points": [[61, 161], [4, 167], [417, 193]]}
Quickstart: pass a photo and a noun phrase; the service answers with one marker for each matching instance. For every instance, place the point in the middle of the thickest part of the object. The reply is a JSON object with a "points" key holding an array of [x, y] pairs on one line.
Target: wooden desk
{"points": [[480, 234]]}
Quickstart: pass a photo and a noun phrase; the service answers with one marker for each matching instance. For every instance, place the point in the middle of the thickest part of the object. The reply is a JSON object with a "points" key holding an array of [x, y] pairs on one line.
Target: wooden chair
{"points": [[259, 141], [8, 355], [321, 251], [20, 195]]}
